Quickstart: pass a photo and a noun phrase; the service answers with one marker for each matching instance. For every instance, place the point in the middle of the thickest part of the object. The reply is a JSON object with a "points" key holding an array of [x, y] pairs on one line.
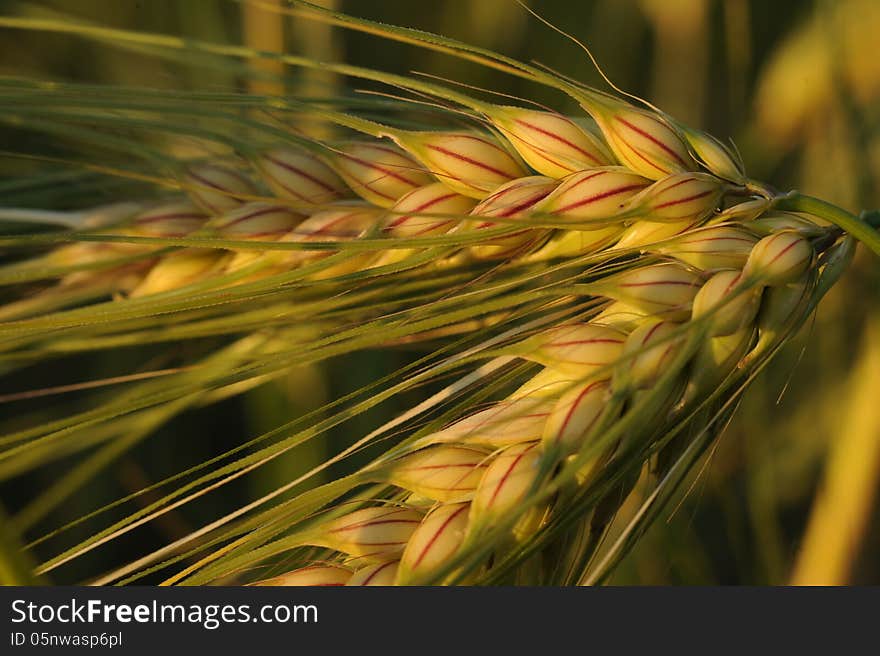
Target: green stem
{"points": [[857, 227], [16, 567]]}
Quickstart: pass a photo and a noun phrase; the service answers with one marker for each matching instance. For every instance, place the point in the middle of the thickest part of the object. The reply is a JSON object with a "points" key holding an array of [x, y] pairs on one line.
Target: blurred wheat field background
{"points": [[791, 492]]}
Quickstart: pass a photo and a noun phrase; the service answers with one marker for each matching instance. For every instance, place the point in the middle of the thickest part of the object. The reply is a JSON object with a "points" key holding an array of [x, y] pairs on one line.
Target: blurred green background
{"points": [[790, 493]]}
